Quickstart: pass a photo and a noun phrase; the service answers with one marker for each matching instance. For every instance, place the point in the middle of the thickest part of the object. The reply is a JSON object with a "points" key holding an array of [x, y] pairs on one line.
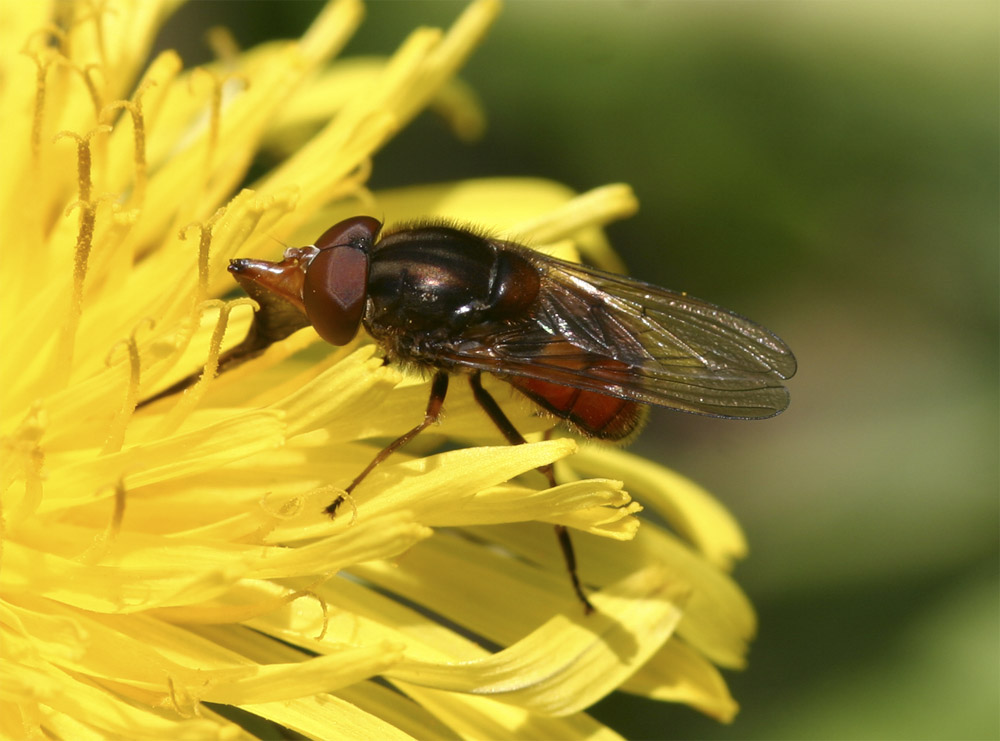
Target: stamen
{"points": [[188, 329], [362, 172], [99, 548], [160, 73], [215, 346], [326, 616], [117, 514], [119, 256], [191, 705], [116, 433], [25, 445], [223, 45], [97, 9], [171, 692], [229, 614], [85, 73], [134, 107], [214, 112], [308, 592], [81, 256], [38, 111], [84, 242], [83, 163], [193, 395], [262, 212], [366, 199], [44, 46], [50, 30], [204, 243], [353, 184], [288, 508], [346, 496]]}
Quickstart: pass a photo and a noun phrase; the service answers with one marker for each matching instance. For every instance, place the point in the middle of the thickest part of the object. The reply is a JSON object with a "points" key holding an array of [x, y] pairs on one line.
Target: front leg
{"points": [[439, 387]]}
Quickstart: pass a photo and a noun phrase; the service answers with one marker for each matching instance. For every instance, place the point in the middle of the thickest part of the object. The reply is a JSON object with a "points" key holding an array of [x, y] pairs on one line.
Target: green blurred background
{"points": [[831, 170]]}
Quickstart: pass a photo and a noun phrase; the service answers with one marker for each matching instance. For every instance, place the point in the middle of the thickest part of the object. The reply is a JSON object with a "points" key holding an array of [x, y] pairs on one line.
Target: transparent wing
{"points": [[606, 333]]}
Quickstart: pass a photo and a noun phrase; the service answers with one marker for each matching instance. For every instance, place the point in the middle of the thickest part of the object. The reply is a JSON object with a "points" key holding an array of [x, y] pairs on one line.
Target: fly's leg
{"points": [[439, 387], [495, 413]]}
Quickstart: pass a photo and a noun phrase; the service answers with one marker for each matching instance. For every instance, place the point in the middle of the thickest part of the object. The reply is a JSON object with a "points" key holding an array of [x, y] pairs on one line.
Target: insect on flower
{"points": [[589, 347]]}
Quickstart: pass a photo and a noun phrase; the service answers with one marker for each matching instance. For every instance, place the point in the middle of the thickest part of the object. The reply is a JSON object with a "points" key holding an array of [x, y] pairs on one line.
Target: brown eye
{"points": [[336, 280], [334, 292], [359, 231]]}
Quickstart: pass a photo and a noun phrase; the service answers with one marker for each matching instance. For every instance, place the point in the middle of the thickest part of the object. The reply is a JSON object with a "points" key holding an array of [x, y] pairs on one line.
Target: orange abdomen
{"points": [[593, 414]]}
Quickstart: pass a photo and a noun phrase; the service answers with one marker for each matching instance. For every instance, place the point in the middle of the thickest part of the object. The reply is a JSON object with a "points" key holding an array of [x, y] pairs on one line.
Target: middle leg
{"points": [[506, 427]]}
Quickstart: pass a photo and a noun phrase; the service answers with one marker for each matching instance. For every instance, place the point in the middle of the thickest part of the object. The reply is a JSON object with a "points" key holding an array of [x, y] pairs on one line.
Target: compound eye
{"points": [[359, 231], [334, 290]]}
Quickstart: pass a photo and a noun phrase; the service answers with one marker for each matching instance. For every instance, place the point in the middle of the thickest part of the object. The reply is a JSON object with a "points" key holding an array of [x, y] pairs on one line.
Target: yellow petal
{"points": [[567, 664], [48, 698], [327, 717], [336, 86], [277, 682], [687, 507], [480, 717], [230, 439], [397, 710], [678, 673], [718, 620]]}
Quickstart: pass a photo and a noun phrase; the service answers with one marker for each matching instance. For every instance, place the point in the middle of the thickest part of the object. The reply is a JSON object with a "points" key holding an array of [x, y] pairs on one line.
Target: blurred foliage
{"points": [[830, 169]]}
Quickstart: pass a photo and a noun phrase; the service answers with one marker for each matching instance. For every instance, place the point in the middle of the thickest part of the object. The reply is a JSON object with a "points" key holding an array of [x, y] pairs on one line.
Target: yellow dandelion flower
{"points": [[167, 571]]}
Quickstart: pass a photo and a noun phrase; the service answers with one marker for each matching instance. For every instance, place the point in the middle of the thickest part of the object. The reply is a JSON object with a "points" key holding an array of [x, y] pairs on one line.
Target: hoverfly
{"points": [[589, 347]]}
